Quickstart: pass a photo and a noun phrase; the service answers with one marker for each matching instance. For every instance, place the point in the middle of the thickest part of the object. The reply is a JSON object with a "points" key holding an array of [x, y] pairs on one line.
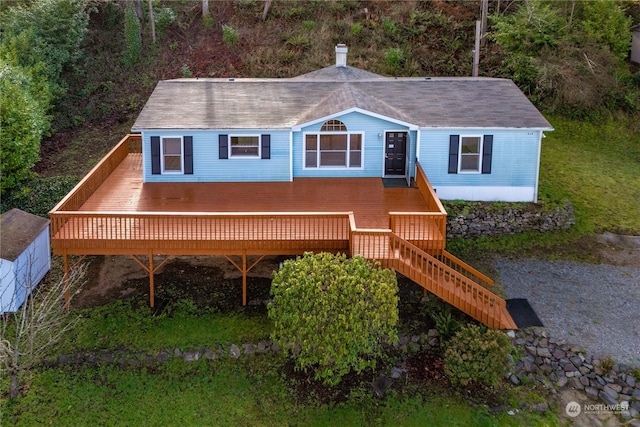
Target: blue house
{"points": [[337, 160], [475, 138]]}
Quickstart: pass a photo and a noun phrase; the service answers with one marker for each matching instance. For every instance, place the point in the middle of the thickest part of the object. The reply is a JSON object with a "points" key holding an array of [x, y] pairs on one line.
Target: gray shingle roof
{"points": [[285, 103], [18, 229]]}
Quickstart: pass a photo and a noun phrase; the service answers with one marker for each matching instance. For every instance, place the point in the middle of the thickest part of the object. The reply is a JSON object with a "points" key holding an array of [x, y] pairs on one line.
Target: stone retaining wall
{"points": [[474, 219], [553, 363]]}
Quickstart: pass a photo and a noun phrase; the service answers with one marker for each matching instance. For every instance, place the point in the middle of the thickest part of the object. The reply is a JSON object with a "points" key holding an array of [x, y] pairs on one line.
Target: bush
{"points": [[332, 314], [39, 195], [22, 123], [394, 57], [477, 355], [229, 35]]}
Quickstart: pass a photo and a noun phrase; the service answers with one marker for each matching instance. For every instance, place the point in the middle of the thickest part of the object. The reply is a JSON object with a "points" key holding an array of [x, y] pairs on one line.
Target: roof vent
{"points": [[341, 55]]}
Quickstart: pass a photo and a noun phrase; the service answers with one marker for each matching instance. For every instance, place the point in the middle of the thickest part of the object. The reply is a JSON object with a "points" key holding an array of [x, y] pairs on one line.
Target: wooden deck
{"points": [[111, 211], [124, 191]]}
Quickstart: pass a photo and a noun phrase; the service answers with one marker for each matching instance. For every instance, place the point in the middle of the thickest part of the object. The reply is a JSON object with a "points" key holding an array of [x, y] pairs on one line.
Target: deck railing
{"points": [[427, 230], [423, 229], [100, 172], [424, 186], [436, 276], [202, 231]]}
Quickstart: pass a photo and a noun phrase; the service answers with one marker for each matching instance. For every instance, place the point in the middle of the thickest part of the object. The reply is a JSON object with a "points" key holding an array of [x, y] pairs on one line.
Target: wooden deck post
{"points": [[244, 277], [151, 271]]}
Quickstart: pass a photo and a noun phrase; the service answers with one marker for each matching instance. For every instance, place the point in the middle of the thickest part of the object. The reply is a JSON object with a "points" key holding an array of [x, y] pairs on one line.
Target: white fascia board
{"points": [[485, 128], [411, 126], [187, 130]]}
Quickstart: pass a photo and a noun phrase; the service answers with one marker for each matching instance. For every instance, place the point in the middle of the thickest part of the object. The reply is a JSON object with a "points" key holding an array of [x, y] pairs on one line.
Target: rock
{"points": [[209, 354], [276, 347], [163, 356], [514, 380], [540, 407], [584, 370], [559, 354], [562, 381], [397, 372], [177, 352], [191, 356], [607, 399], [610, 392], [634, 423], [403, 339], [511, 334], [576, 361], [432, 333], [584, 381], [415, 338], [569, 367], [234, 351], [614, 387], [591, 392], [263, 347], [381, 385], [544, 352], [249, 348], [575, 383], [631, 381], [531, 349]]}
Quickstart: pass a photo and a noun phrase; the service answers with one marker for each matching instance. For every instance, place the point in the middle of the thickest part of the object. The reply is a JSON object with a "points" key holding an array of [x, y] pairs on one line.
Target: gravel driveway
{"points": [[594, 306]]}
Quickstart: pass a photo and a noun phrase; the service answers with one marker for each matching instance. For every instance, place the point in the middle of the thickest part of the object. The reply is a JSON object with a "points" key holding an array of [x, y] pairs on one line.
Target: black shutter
{"points": [[265, 141], [155, 155], [454, 145], [188, 155], [223, 146], [487, 152]]}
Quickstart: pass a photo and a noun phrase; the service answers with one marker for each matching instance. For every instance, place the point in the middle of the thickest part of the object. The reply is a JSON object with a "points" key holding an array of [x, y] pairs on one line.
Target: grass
{"points": [[132, 326], [597, 166], [225, 393]]}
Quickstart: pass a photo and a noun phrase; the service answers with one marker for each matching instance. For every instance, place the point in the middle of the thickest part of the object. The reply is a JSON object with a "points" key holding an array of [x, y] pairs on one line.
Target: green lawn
{"points": [[225, 393], [598, 167], [250, 391]]}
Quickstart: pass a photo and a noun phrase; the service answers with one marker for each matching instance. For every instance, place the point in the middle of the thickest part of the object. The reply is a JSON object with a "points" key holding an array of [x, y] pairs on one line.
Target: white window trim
{"points": [[163, 171], [317, 134], [231, 156], [480, 153]]}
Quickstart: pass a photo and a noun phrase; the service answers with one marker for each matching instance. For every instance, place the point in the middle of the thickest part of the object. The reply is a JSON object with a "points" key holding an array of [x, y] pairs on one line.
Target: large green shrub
{"points": [[22, 124], [333, 313], [476, 354]]}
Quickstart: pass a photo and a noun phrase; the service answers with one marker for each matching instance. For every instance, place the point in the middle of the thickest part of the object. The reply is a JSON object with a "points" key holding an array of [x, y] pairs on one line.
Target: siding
{"points": [[208, 167], [373, 155], [25, 273], [514, 162]]}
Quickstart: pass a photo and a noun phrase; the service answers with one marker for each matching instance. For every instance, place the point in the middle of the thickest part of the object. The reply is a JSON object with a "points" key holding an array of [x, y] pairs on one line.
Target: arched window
{"points": [[333, 126]]}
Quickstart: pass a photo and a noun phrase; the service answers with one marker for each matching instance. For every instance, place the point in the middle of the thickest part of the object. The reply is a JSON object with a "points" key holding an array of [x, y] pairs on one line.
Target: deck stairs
{"points": [[442, 274]]}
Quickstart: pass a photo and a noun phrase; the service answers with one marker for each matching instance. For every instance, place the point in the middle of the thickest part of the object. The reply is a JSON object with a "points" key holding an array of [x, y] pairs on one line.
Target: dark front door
{"points": [[396, 154]]}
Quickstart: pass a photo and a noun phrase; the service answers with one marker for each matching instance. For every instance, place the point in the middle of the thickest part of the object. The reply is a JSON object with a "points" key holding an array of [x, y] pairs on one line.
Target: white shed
{"points": [[25, 256], [635, 43]]}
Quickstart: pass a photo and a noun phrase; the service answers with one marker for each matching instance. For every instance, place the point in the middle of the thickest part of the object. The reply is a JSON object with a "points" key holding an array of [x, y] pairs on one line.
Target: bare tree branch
{"points": [[42, 320]]}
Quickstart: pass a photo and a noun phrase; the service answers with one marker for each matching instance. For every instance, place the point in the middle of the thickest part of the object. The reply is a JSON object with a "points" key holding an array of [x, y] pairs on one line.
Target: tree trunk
{"points": [[265, 12], [152, 22], [13, 392], [138, 7], [205, 8]]}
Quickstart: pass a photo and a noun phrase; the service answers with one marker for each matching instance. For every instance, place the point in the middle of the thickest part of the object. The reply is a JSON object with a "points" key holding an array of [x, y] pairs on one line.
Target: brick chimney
{"points": [[341, 55]]}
